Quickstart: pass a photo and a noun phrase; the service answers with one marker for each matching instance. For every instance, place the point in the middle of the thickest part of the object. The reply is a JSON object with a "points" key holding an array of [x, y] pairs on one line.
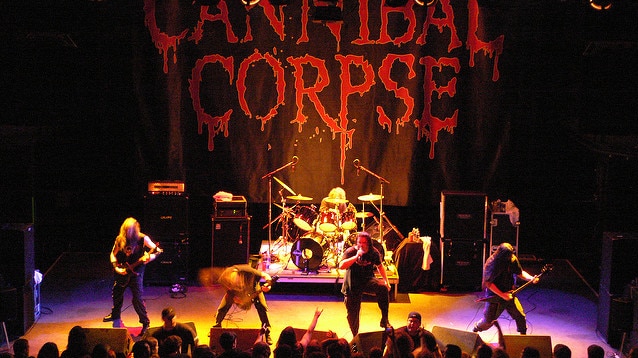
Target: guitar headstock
{"points": [[547, 268]]}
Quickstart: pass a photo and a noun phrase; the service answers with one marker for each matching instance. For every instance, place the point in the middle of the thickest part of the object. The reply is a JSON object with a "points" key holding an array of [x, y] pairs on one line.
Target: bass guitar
{"points": [[514, 292], [245, 300], [123, 279]]}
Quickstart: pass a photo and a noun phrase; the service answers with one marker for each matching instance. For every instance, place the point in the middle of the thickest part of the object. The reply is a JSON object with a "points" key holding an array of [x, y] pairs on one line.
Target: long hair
{"points": [[129, 232]]}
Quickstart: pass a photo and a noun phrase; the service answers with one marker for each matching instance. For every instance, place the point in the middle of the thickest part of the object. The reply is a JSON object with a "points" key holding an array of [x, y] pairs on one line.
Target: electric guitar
{"points": [[123, 279], [514, 292], [244, 300]]}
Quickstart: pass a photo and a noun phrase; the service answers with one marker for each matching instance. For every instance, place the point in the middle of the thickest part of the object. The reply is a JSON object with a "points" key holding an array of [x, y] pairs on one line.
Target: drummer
{"points": [[335, 210]]}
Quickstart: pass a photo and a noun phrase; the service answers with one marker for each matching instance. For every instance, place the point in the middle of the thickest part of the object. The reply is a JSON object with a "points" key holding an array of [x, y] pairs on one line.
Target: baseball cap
{"points": [[416, 315], [168, 312]]}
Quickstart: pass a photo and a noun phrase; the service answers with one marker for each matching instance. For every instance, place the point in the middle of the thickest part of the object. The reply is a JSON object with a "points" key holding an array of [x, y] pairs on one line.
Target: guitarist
{"points": [[499, 274], [130, 254], [242, 284]]}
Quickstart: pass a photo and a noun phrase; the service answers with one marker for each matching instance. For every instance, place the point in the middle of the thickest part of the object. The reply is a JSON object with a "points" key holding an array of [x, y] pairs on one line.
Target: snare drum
{"points": [[348, 221], [304, 217], [328, 221]]}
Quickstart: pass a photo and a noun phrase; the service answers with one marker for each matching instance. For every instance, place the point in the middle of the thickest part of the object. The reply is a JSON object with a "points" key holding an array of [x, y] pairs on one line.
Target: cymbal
{"points": [[363, 214], [285, 186], [335, 201], [370, 197], [298, 197]]}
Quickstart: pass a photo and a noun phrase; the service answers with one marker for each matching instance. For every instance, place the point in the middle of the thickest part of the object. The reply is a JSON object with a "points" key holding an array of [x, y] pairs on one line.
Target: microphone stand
{"points": [[269, 176], [381, 213]]}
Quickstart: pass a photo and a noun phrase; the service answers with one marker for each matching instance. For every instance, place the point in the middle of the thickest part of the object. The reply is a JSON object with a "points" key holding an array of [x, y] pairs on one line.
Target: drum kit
{"points": [[318, 238]]}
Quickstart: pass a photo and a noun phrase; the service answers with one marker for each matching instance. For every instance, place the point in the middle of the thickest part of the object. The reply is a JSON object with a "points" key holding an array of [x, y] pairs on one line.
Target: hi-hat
{"points": [[298, 197], [363, 214], [370, 197], [285, 186], [335, 201]]}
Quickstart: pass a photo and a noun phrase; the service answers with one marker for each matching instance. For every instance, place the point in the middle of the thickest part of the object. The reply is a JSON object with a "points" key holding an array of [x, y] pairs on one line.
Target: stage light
{"points": [[600, 4]]}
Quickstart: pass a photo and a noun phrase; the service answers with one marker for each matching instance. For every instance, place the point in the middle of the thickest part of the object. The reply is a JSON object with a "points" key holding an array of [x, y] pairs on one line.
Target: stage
{"points": [[76, 291]]}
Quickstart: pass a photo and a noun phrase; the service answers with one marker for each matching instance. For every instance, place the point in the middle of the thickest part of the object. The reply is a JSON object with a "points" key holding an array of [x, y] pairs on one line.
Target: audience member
{"points": [[283, 351], [154, 344], [484, 351], [530, 352], [633, 352], [6, 354], [141, 349], [228, 344], [500, 353], [595, 351], [21, 348], [203, 351], [102, 350], [421, 338], [260, 350], [562, 351], [171, 327], [452, 351], [49, 350], [289, 337], [171, 348], [77, 345]]}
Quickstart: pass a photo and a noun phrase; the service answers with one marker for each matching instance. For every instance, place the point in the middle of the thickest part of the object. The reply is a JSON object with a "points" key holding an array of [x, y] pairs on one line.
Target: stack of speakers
{"points": [[463, 236], [618, 272], [230, 232], [166, 222]]}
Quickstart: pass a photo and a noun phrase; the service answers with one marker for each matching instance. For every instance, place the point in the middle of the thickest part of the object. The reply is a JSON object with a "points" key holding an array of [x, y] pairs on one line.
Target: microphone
{"points": [[295, 159], [357, 164]]}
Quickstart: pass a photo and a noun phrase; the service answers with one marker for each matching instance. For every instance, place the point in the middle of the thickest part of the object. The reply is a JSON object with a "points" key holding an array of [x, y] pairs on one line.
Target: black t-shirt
{"points": [[502, 273], [361, 271]]}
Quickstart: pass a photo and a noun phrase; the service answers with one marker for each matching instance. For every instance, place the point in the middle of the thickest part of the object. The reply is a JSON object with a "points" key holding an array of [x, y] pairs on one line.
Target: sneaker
{"points": [[217, 325], [110, 318], [384, 323]]}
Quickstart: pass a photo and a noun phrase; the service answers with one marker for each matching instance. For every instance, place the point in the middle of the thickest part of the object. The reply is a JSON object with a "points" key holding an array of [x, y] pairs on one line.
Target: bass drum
{"points": [[307, 254], [352, 241]]}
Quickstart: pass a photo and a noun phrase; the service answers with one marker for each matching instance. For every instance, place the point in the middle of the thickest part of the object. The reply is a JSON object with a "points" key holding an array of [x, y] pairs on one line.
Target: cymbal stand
{"points": [[382, 180], [269, 176]]}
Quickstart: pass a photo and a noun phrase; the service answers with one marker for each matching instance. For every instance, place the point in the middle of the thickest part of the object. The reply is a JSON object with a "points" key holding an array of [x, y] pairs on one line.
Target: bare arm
{"points": [[308, 335], [384, 275]]}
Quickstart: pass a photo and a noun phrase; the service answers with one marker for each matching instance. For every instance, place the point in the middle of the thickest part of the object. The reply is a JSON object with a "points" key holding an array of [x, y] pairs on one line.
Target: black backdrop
{"points": [[92, 111]]}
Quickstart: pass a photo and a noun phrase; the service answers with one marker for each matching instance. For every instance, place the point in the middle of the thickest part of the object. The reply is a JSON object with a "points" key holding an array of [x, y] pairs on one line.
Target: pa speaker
{"points": [[245, 337], [514, 344], [364, 342], [119, 339], [467, 341]]}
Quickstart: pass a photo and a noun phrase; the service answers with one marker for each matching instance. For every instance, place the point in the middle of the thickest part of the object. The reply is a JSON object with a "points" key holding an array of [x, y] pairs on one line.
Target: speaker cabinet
{"points": [[169, 267], [231, 241], [467, 341], [463, 215], [245, 337], [17, 267], [364, 342], [462, 263], [514, 344], [615, 317], [119, 339], [166, 217]]}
